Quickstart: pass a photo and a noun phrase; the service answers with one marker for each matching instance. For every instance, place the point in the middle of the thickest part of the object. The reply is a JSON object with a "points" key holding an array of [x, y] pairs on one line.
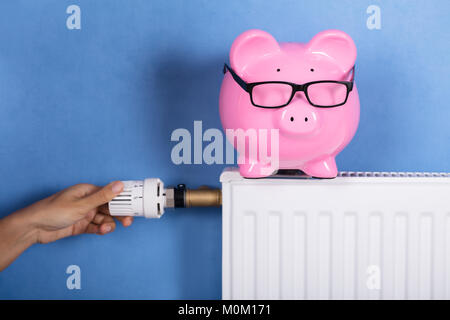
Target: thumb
{"points": [[104, 195]]}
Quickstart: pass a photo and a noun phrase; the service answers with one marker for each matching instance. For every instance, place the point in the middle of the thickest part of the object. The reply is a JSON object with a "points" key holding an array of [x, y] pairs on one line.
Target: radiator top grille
{"points": [[232, 174], [393, 174]]}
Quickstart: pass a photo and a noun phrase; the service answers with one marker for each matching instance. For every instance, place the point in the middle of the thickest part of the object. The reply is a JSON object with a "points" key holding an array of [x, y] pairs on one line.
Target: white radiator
{"points": [[359, 236]]}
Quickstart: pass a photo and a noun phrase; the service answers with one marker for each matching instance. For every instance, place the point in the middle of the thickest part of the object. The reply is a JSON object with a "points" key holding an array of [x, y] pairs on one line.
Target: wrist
{"points": [[23, 224], [17, 233]]}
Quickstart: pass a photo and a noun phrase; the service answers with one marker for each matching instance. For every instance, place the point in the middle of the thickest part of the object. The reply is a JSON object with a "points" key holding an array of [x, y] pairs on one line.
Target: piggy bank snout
{"points": [[297, 119]]}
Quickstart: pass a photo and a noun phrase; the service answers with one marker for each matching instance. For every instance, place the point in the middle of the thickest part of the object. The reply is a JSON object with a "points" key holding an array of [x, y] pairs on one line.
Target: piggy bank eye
{"points": [[278, 70], [312, 70]]}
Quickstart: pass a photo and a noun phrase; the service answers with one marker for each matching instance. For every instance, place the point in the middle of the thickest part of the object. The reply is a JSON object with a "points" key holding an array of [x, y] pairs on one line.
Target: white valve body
{"points": [[140, 198]]}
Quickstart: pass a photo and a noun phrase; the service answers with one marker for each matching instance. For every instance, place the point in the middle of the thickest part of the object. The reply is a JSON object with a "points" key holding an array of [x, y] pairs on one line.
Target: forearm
{"points": [[17, 233]]}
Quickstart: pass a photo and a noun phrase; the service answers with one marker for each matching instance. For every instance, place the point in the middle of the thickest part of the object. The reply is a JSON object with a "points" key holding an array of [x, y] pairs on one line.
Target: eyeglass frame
{"points": [[248, 87]]}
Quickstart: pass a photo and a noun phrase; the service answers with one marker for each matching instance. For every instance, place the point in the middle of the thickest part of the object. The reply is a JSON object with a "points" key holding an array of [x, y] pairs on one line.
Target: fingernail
{"points": [[117, 187], [107, 228]]}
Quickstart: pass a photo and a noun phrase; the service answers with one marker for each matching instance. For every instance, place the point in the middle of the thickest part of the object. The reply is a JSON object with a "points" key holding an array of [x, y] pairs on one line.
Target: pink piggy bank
{"points": [[301, 96]]}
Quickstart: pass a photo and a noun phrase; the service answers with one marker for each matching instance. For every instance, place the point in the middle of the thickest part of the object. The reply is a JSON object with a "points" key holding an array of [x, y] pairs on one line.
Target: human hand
{"points": [[82, 208]]}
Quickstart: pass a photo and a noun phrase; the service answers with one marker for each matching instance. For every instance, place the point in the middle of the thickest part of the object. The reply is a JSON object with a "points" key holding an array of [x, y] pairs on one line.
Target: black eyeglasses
{"points": [[278, 94]]}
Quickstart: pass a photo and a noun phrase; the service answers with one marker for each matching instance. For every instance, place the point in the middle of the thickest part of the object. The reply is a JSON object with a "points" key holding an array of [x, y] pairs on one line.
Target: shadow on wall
{"points": [[188, 90]]}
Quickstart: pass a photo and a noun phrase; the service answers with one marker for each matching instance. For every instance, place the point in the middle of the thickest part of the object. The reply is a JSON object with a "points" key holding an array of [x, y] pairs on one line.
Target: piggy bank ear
{"points": [[337, 45], [249, 46]]}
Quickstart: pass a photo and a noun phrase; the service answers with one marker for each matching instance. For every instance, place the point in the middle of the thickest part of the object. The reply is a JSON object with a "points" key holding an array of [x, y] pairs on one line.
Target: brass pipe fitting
{"points": [[203, 197]]}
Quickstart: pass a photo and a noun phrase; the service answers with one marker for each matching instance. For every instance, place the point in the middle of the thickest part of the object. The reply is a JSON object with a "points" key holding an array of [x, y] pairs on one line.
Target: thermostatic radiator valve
{"points": [[149, 198]]}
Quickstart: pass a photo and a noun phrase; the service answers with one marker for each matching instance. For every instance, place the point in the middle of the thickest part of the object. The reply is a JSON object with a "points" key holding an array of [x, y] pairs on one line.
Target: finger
{"points": [[102, 219], [126, 221], [92, 228], [102, 196], [99, 218], [106, 228], [100, 229], [105, 222]]}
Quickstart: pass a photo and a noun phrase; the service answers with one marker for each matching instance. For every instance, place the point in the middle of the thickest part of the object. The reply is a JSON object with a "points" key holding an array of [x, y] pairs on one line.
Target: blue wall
{"points": [[100, 103]]}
